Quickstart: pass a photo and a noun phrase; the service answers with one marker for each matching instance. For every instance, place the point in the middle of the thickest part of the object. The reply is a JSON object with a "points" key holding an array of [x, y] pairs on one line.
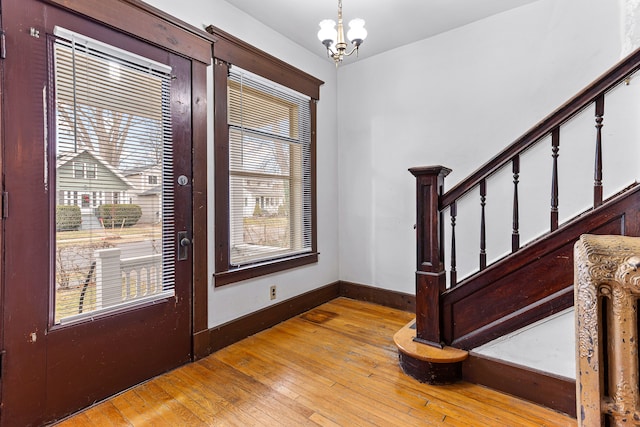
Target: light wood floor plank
{"points": [[135, 410], [81, 420], [168, 408], [335, 365], [107, 414]]}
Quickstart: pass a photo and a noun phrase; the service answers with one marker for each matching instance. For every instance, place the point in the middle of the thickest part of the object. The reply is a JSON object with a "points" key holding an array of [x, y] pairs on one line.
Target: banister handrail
{"points": [[431, 281], [607, 81]]}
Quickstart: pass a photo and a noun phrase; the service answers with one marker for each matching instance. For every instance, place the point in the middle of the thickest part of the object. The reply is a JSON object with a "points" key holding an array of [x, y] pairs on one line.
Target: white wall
{"points": [[455, 99], [235, 300]]}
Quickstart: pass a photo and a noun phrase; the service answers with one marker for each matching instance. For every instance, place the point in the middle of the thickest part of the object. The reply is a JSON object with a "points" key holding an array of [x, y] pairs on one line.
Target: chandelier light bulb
{"points": [[328, 33], [357, 33]]}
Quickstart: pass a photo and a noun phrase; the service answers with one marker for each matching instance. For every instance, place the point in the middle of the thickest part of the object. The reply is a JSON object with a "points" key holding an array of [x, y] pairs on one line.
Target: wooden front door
{"points": [[97, 273]]}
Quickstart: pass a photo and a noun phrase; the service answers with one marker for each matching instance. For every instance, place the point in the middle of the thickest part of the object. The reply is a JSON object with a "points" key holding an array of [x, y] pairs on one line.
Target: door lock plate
{"points": [[183, 244]]}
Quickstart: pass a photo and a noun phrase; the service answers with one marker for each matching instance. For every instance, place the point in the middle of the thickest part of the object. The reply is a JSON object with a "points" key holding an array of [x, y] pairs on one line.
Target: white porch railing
{"points": [[120, 280]]}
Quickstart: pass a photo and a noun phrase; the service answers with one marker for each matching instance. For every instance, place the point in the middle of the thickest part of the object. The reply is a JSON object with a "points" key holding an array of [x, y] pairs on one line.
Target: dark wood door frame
{"points": [[149, 25], [3, 207]]}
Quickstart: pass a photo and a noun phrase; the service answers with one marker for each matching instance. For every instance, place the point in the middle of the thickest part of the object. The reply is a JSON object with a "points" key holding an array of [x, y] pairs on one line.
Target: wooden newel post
{"points": [[430, 270]]}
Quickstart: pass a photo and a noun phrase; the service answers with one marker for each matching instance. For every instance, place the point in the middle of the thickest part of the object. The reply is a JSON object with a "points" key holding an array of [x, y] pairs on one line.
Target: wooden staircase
{"points": [[532, 282]]}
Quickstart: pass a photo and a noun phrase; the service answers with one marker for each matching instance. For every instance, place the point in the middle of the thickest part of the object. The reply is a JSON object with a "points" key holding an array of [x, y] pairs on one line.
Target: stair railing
{"points": [[432, 201]]}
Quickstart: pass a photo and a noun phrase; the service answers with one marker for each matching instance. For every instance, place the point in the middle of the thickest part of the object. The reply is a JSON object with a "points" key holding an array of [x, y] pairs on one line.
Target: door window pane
{"points": [[114, 229]]}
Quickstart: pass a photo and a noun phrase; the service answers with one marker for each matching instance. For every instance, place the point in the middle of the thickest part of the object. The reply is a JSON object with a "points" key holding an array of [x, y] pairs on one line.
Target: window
{"points": [[269, 152], [85, 170], [112, 109], [90, 171], [153, 180], [78, 170], [265, 153]]}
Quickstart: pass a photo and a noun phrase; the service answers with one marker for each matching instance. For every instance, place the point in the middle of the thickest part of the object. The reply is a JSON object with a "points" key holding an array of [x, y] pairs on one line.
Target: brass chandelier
{"points": [[333, 39]]}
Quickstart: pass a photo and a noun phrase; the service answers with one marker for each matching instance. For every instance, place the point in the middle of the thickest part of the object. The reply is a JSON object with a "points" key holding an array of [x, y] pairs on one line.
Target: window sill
{"points": [[268, 267]]}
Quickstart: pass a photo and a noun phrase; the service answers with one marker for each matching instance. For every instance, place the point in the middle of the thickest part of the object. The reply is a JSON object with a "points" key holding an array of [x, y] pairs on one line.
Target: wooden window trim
{"points": [[230, 50], [137, 18]]}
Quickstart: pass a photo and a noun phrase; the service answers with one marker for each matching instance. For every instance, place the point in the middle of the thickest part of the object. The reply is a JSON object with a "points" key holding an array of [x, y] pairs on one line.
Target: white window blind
{"points": [[269, 169], [114, 235]]}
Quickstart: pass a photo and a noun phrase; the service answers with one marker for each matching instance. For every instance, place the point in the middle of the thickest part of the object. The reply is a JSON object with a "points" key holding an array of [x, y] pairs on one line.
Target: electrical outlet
{"points": [[272, 292]]}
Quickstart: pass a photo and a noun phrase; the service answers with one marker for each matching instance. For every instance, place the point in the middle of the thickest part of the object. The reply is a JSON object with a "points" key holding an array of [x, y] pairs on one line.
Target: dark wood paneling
{"points": [[514, 291], [235, 51], [2, 208], [385, 297], [429, 372], [313, 165], [199, 230], [235, 330], [527, 315], [24, 363], [133, 16], [261, 269], [201, 344], [430, 270], [91, 363], [221, 166], [545, 389]]}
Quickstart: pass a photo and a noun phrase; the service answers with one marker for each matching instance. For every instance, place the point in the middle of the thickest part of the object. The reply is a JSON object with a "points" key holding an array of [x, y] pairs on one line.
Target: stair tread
{"points": [[404, 340]]}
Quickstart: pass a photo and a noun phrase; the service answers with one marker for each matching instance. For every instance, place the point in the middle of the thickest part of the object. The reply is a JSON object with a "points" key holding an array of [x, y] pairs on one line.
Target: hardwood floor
{"points": [[335, 365]]}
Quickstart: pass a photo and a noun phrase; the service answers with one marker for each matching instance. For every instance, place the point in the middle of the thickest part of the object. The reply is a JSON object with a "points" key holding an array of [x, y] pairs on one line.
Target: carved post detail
{"points": [[483, 227], [597, 172], [607, 287], [515, 233], [453, 274], [430, 271], [555, 147]]}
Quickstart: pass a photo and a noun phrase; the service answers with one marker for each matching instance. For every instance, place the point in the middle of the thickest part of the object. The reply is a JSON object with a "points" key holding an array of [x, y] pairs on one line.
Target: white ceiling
{"points": [[390, 23]]}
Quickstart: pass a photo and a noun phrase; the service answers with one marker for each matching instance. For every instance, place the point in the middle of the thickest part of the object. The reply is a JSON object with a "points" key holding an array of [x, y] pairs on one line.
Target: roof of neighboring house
{"points": [[152, 191], [66, 158], [139, 169]]}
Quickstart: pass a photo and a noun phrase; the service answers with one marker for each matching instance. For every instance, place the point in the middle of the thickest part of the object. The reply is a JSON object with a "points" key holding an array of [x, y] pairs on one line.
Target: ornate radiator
{"points": [[606, 293]]}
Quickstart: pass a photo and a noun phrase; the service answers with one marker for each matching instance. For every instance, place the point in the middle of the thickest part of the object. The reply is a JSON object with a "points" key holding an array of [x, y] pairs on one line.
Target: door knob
{"points": [[183, 243]]}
